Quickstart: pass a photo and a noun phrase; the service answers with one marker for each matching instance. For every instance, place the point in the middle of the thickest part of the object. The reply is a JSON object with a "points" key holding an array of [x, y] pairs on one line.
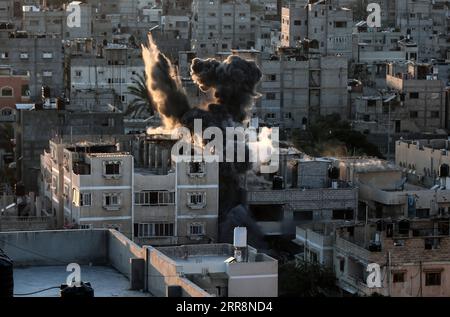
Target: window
{"points": [[47, 55], [78, 73], [340, 24], [55, 185], [413, 114], [85, 199], [196, 168], [434, 114], [86, 226], [196, 229], [414, 95], [47, 73], [432, 243], [25, 91], [297, 22], [398, 277], [303, 215], [111, 200], [227, 27], [432, 278], [147, 230], [23, 55], [7, 112], [5, 55], [271, 77], [112, 168], [271, 96], [7, 92], [154, 198], [342, 265], [197, 200]]}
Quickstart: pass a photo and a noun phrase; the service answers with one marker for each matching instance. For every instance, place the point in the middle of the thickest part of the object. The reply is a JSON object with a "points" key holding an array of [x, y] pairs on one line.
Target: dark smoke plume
{"points": [[234, 82], [164, 86]]}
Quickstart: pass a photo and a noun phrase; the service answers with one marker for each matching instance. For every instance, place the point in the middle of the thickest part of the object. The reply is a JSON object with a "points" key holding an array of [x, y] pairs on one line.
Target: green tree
{"points": [[331, 136], [306, 279], [142, 102]]}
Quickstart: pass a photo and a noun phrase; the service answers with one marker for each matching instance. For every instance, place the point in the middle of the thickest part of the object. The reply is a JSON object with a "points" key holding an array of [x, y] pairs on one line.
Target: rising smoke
{"points": [[233, 82]]}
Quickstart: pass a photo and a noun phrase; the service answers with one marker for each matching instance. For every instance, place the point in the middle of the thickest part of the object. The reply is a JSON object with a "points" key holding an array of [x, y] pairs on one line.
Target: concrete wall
{"points": [[121, 250], [33, 248], [162, 271], [254, 279]]}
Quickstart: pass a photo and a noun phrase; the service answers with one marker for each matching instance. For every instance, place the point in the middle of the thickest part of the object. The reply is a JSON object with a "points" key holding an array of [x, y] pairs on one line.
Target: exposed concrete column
{"points": [[145, 154], [165, 159], [150, 154]]}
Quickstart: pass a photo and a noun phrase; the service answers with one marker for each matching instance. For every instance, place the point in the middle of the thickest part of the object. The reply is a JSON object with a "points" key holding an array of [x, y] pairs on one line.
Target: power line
{"points": [[40, 291]]}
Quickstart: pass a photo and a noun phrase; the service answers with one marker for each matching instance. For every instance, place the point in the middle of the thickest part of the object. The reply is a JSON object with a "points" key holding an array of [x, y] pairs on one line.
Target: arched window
{"points": [[6, 112], [7, 91]]}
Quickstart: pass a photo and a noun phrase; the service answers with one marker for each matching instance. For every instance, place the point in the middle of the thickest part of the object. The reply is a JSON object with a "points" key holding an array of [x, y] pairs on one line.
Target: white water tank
{"points": [[240, 237]]}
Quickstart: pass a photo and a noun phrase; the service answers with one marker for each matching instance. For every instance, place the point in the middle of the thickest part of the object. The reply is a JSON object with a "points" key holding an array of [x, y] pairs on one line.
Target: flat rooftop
{"points": [[105, 280]]}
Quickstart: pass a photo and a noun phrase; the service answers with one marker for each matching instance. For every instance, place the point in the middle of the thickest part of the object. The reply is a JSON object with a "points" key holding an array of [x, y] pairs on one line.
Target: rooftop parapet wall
{"points": [[58, 247]]}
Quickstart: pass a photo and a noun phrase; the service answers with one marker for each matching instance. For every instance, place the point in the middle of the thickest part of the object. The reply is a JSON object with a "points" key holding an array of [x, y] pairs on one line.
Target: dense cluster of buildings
{"points": [[78, 151]]}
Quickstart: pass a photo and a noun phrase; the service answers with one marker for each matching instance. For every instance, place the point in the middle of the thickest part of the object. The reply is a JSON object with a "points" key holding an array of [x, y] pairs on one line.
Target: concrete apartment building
{"points": [[14, 89], [109, 69], [41, 56], [34, 128], [406, 253], [184, 197], [421, 98], [372, 45], [296, 89], [422, 159], [143, 193], [412, 254], [426, 22], [53, 21], [88, 185], [385, 191], [305, 195], [131, 270], [322, 21], [221, 25]]}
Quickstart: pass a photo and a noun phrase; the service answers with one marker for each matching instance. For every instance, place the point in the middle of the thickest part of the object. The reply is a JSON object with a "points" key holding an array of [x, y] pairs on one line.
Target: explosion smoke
{"points": [[233, 82], [163, 85]]}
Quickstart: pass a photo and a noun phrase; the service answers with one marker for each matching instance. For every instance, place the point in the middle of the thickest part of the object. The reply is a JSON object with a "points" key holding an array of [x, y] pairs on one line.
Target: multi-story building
{"points": [[330, 26], [111, 68], [296, 89], [14, 89], [41, 56], [412, 255], [307, 192], [423, 159], [175, 203], [221, 25], [146, 196], [421, 95], [53, 21], [385, 190], [31, 138], [89, 185]]}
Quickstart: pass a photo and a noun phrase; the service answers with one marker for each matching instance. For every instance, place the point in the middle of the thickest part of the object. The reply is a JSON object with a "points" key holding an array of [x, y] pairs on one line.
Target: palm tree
{"points": [[142, 102]]}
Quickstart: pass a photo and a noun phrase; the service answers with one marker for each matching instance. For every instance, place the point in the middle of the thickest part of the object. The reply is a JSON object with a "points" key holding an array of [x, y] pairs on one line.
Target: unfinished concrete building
{"points": [[306, 191]]}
